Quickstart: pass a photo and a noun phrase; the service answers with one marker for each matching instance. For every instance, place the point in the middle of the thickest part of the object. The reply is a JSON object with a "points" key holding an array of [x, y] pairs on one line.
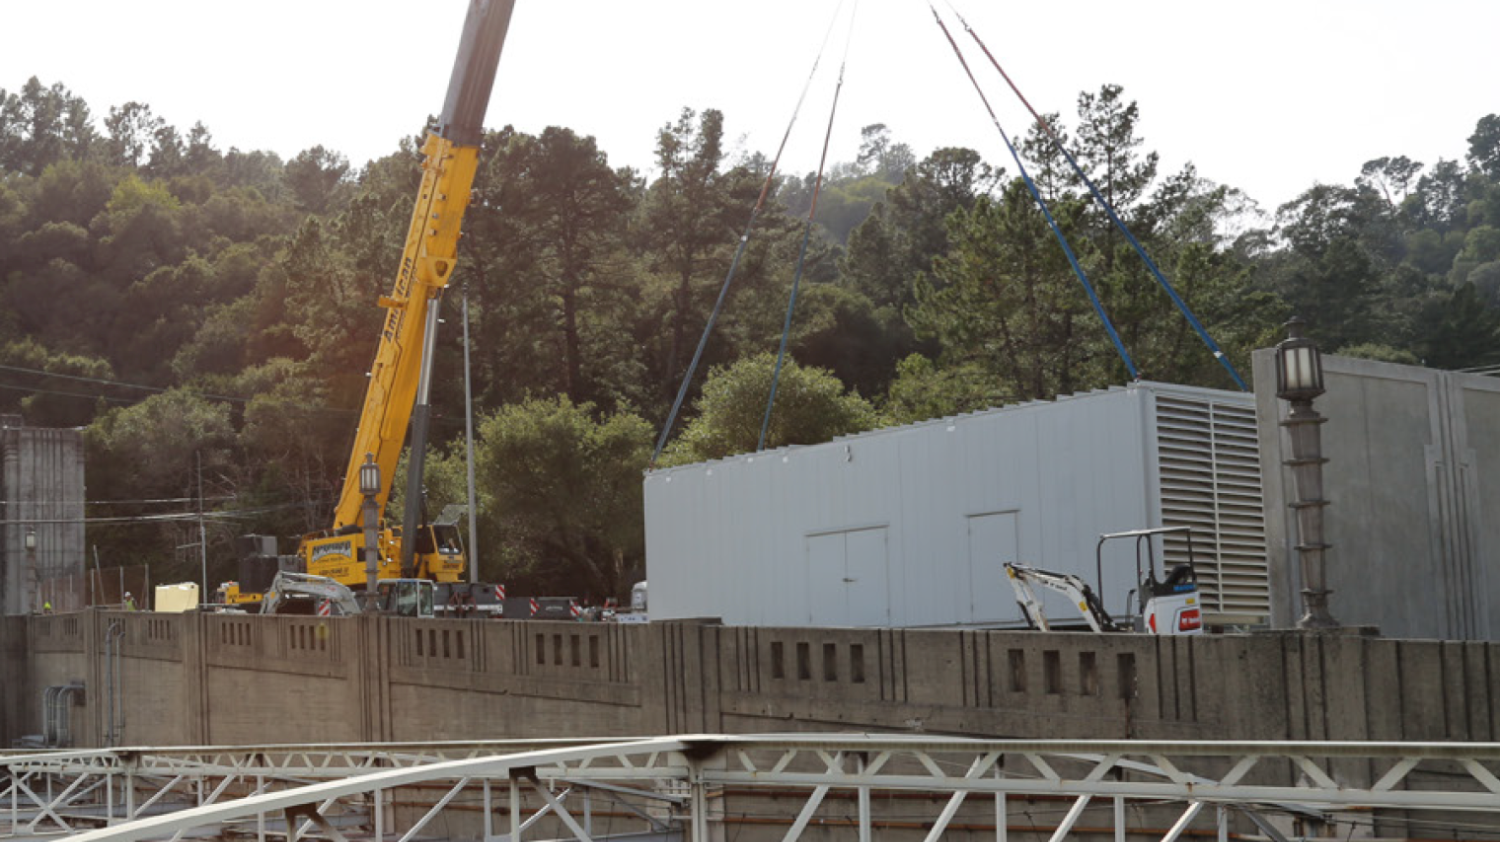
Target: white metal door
{"points": [[867, 594], [826, 604]]}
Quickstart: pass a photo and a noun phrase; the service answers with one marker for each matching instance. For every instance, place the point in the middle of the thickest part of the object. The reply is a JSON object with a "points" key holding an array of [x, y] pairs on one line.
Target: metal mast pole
{"points": [[473, 551]]}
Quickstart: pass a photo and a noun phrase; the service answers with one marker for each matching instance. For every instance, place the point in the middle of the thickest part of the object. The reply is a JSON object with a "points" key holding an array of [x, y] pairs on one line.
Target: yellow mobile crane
{"points": [[400, 378]]}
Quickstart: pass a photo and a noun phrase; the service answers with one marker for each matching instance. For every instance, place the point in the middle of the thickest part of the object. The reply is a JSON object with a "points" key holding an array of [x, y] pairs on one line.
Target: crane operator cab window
{"points": [[447, 539]]}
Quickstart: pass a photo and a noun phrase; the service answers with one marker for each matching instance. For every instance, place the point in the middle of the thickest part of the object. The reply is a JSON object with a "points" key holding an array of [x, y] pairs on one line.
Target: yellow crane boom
{"points": [[396, 399]]}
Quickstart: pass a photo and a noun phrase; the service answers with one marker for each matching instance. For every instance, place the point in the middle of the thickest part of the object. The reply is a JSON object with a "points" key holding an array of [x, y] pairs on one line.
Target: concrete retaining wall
{"points": [[221, 679]]}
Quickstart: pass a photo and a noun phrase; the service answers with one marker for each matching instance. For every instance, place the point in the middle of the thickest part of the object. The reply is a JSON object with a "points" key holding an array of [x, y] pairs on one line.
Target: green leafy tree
{"points": [[1394, 178], [132, 129], [689, 221], [40, 126], [812, 406], [1107, 148], [571, 207], [895, 246], [560, 488], [1484, 146], [318, 179], [1459, 331], [149, 451], [923, 390], [296, 444], [881, 156], [1005, 300], [60, 399]]}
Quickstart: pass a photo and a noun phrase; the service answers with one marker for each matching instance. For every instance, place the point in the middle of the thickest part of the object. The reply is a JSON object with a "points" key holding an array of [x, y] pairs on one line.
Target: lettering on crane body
{"points": [[398, 318], [403, 280], [343, 548]]}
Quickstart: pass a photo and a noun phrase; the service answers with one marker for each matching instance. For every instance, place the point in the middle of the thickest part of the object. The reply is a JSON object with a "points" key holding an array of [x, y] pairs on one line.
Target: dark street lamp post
{"points": [[1299, 379], [369, 486]]}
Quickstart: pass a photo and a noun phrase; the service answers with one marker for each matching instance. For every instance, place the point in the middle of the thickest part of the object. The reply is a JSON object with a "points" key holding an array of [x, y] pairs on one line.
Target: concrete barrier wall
{"points": [[15, 664], [224, 679]]}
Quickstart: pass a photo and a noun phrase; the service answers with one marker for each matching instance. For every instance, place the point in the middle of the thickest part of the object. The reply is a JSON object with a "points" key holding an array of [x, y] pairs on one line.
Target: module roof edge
{"points": [[849, 438]]}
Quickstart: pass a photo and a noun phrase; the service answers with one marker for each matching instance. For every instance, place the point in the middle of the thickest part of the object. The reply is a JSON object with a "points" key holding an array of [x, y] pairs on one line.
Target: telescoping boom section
{"points": [[396, 399]]}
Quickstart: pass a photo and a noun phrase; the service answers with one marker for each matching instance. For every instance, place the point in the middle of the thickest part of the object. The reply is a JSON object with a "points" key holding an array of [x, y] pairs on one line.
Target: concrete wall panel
{"points": [[192, 679], [1412, 477]]}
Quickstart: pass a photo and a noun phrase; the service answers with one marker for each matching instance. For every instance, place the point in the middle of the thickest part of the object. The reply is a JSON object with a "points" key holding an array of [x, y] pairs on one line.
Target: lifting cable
{"points": [[791, 303], [1041, 203], [1108, 209], [765, 191]]}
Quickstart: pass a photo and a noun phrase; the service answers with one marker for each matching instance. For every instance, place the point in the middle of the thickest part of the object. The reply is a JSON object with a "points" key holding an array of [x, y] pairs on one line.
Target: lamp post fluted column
{"points": [[1299, 380]]}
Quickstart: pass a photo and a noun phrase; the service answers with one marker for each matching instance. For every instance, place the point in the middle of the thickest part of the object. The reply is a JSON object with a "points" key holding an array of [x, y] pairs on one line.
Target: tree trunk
{"points": [[572, 367]]}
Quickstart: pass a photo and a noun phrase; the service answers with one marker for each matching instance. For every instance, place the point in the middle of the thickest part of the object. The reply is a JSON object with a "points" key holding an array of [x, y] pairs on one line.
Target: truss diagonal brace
{"points": [[310, 813], [562, 812]]}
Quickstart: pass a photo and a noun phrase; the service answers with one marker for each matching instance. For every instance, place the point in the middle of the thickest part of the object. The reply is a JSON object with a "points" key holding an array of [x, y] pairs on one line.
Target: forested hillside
{"points": [[186, 304]]}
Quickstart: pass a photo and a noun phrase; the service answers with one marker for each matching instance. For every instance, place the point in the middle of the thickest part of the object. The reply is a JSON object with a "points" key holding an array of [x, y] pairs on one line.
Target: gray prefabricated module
{"points": [[910, 526]]}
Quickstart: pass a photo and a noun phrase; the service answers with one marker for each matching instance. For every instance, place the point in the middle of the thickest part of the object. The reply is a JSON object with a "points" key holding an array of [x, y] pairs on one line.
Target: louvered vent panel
{"points": [[1210, 480]]}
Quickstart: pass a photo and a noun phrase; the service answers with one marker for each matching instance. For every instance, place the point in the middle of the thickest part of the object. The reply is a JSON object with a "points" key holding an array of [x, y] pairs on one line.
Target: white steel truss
{"points": [[681, 787]]}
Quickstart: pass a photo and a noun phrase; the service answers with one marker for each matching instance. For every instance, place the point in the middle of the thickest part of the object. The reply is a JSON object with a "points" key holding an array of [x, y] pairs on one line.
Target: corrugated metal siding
{"points": [[950, 501], [1210, 480]]}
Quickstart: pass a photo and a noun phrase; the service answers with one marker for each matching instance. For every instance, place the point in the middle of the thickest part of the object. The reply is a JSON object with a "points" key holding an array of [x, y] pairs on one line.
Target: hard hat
{"points": [[127, 593]]}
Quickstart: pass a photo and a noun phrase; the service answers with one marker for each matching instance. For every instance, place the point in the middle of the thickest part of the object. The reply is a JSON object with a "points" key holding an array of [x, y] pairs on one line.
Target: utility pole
{"points": [[202, 533]]}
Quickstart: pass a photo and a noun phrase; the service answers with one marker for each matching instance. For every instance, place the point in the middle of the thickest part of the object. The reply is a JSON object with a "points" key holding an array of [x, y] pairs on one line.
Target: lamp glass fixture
{"points": [[369, 476], [1299, 365]]}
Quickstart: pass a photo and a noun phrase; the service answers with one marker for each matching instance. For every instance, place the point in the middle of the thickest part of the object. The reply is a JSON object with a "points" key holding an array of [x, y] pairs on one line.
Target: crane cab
{"points": [[405, 598]]}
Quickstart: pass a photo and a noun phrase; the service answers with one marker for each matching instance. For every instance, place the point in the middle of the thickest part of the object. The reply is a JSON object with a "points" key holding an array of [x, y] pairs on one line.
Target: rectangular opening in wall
{"points": [[541, 649], [1052, 672], [1088, 674], [557, 649], [1125, 670], [594, 651], [447, 653], [1017, 670], [576, 644], [458, 640], [804, 661], [857, 663], [432, 643], [419, 644], [830, 662], [778, 660]]}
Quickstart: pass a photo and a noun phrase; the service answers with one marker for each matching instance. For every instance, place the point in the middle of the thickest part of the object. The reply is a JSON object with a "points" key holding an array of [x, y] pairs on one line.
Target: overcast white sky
{"points": [[1269, 96]]}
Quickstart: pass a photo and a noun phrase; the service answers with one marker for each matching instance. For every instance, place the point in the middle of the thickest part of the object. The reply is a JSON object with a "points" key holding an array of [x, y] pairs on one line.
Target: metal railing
{"points": [[769, 785]]}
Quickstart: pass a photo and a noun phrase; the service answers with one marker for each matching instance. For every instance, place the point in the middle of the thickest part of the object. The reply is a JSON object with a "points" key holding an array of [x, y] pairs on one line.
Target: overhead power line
{"points": [[141, 387], [279, 403], [162, 518]]}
